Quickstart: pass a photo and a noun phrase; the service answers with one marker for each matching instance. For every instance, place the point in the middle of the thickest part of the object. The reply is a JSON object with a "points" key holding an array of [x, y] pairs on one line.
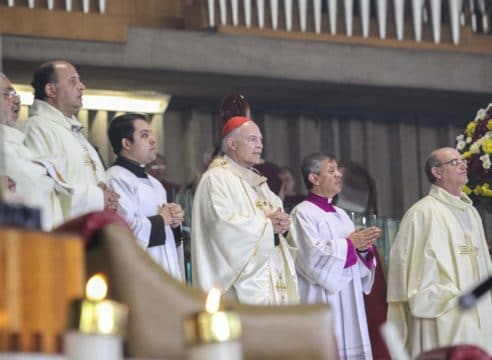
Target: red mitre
{"points": [[233, 123]]}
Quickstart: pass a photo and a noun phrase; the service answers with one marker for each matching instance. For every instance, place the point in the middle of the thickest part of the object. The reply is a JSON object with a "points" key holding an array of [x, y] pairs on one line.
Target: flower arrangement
{"points": [[476, 146]]}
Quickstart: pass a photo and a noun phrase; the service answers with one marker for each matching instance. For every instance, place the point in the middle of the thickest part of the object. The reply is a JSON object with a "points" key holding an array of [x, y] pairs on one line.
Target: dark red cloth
{"points": [[88, 224], [270, 171], [459, 352], [376, 309]]}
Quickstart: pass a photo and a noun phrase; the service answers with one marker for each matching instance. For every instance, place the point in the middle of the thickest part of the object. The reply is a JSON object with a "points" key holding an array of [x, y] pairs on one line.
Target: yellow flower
{"points": [[487, 146], [486, 190], [470, 128], [477, 190], [475, 148], [466, 155], [466, 190], [489, 124]]}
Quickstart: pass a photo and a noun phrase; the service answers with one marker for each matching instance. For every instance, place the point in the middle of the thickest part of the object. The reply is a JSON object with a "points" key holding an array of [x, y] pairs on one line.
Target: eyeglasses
{"points": [[453, 162], [10, 94]]}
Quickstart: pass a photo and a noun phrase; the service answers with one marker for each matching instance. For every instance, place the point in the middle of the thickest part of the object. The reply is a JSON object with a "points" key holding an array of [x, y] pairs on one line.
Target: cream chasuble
{"points": [[50, 134], [440, 251], [33, 184], [232, 240]]}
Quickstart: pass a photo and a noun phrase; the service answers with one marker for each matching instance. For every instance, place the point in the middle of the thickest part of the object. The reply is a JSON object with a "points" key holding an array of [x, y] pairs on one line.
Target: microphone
{"points": [[469, 299]]}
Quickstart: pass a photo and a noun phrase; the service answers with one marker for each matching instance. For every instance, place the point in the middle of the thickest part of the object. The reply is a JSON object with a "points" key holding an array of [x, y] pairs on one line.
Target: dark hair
{"points": [[430, 162], [43, 75], [311, 165], [121, 127]]}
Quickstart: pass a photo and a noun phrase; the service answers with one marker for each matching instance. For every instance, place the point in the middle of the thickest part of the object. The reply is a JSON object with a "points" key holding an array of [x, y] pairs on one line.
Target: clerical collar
{"points": [[132, 166], [321, 202]]}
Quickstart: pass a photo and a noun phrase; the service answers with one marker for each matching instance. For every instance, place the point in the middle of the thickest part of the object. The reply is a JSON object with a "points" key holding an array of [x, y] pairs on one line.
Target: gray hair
{"points": [[224, 145], [311, 164]]}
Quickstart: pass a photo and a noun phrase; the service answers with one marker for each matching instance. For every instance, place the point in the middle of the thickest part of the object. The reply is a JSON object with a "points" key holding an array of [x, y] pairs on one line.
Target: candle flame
{"points": [[213, 300], [97, 287]]}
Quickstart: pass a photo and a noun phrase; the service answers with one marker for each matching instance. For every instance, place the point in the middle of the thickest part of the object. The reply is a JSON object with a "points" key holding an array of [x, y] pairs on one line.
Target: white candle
{"points": [[96, 325], [10, 3], [213, 334], [31, 4], [68, 5], [51, 4], [219, 351], [81, 346]]}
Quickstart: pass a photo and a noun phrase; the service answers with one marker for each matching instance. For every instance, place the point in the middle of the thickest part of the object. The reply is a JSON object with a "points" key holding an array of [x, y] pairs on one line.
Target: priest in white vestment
{"points": [[33, 184], [440, 251], [335, 263], [241, 240], [53, 131], [143, 199]]}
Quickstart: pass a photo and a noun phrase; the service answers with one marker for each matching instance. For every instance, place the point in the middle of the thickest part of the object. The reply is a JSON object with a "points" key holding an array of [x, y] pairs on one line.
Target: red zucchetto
{"points": [[233, 123]]}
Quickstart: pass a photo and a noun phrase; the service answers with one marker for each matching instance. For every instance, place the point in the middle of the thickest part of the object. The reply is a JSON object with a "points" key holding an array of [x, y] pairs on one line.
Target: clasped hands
{"points": [[172, 214], [280, 221], [364, 238], [110, 197]]}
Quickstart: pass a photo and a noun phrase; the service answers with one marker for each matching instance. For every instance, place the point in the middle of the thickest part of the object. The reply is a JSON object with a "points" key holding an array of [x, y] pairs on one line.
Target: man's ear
{"points": [[50, 90], [436, 172], [126, 144], [231, 143], [313, 178]]}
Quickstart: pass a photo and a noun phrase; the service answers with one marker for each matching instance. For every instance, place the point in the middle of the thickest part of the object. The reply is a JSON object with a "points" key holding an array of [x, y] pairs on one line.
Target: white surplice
{"points": [[320, 261], [440, 251], [33, 184], [232, 239], [140, 198], [51, 134]]}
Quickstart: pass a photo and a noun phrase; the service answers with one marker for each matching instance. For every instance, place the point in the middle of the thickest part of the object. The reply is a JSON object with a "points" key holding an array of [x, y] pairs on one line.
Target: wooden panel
{"points": [[60, 24], [470, 42], [40, 274]]}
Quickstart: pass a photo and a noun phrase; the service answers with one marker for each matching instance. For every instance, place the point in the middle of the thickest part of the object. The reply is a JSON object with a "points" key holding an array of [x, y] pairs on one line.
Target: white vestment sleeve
{"points": [[320, 261], [367, 275], [128, 208]]}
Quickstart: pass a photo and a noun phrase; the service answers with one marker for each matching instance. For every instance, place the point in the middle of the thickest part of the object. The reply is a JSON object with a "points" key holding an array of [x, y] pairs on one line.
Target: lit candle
{"points": [[96, 325], [213, 334]]}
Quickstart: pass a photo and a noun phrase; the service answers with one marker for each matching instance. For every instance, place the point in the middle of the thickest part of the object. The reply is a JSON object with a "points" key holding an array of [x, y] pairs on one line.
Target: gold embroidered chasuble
{"points": [[439, 252], [51, 134], [232, 240]]}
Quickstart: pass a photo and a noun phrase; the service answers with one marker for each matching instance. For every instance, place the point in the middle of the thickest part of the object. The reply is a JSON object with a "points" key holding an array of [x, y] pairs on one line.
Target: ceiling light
{"points": [[118, 101]]}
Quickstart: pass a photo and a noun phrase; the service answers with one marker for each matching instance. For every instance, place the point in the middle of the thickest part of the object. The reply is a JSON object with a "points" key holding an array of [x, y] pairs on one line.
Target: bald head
{"points": [[58, 83], [446, 168], [9, 102]]}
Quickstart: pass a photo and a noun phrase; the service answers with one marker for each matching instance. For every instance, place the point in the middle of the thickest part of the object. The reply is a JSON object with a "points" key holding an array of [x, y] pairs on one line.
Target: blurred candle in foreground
{"points": [[213, 334], [96, 325]]}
